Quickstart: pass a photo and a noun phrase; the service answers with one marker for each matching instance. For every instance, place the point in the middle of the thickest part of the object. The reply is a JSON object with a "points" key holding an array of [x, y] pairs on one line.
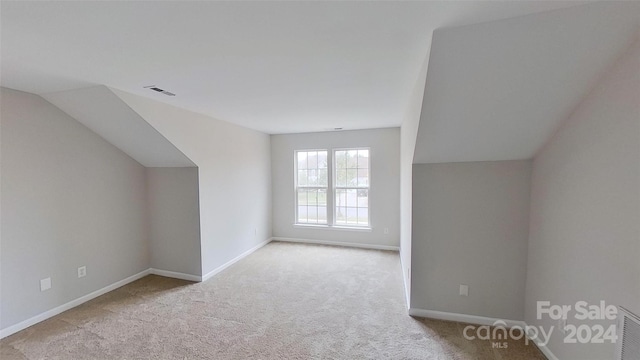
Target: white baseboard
{"points": [[545, 350], [479, 320], [175, 275], [337, 243], [407, 295], [464, 318], [71, 304], [234, 260]]}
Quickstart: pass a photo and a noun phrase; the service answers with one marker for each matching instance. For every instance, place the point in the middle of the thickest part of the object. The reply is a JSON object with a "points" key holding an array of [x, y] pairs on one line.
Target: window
{"points": [[332, 191], [312, 182], [351, 187]]}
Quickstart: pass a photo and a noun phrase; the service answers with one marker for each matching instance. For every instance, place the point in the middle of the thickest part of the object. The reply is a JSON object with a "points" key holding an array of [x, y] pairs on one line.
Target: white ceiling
{"points": [[499, 90], [278, 67]]}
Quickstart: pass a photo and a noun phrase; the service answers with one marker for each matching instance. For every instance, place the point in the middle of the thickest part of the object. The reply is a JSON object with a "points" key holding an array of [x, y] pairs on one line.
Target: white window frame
{"points": [[296, 187], [331, 191], [335, 187]]}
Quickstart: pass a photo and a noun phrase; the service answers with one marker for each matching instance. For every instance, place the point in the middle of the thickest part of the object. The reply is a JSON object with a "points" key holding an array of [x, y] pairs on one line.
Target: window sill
{"points": [[333, 227]]}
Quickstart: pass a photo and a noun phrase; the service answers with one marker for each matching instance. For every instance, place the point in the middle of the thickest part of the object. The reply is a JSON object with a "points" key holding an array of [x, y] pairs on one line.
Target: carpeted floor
{"points": [[285, 301]]}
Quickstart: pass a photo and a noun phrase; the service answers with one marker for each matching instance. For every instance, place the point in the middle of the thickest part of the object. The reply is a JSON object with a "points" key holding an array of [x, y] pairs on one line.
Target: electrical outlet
{"points": [[464, 290], [386, 231], [82, 271], [45, 284]]}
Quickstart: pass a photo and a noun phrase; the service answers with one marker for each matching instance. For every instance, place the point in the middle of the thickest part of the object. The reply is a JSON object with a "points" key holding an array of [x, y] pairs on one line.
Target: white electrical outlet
{"points": [[82, 271], [464, 290], [45, 284], [386, 231]]}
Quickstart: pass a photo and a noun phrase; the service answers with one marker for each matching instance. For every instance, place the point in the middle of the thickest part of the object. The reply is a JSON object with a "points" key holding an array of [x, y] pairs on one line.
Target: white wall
{"points": [[69, 199], [384, 193], [408, 137], [174, 219], [234, 174], [470, 226], [585, 212]]}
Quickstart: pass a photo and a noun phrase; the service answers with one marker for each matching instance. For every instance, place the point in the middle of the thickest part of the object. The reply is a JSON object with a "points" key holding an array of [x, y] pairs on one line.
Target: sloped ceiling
{"points": [[277, 67], [99, 109], [499, 90]]}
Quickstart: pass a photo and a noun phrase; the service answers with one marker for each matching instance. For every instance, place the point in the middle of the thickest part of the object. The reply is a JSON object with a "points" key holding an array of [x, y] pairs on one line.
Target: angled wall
{"points": [[584, 243], [234, 174], [172, 178], [69, 199], [99, 109], [498, 91], [72, 199]]}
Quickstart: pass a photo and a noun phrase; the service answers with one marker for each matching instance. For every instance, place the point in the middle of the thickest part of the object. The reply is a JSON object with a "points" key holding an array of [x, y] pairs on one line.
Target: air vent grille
{"points": [[162, 91], [628, 343]]}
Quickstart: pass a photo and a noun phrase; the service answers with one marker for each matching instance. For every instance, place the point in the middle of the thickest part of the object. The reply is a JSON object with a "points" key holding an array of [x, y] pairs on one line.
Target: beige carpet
{"points": [[285, 301]]}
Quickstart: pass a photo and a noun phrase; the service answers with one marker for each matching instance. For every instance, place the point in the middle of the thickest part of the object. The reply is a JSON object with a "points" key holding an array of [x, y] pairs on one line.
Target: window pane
{"points": [[302, 214], [363, 198], [322, 159], [302, 177], [351, 197], [363, 159], [312, 177], [322, 214], [341, 178], [351, 174], [363, 181], [352, 215], [341, 198], [302, 160], [340, 206], [363, 216], [340, 160], [312, 162], [322, 197], [323, 177], [311, 204], [363, 177], [312, 197], [341, 215], [352, 159], [352, 177], [312, 214], [302, 197]]}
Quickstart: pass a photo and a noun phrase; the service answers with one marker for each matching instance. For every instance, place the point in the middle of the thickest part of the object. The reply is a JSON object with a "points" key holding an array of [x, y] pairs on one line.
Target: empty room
{"points": [[320, 180]]}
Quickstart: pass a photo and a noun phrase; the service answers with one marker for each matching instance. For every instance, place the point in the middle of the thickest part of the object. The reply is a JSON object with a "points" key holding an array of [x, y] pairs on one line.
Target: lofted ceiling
{"points": [[287, 67], [102, 111], [499, 90]]}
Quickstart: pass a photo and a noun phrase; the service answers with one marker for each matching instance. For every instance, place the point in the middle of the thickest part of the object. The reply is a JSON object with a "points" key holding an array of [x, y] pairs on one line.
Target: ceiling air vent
{"points": [[162, 91]]}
